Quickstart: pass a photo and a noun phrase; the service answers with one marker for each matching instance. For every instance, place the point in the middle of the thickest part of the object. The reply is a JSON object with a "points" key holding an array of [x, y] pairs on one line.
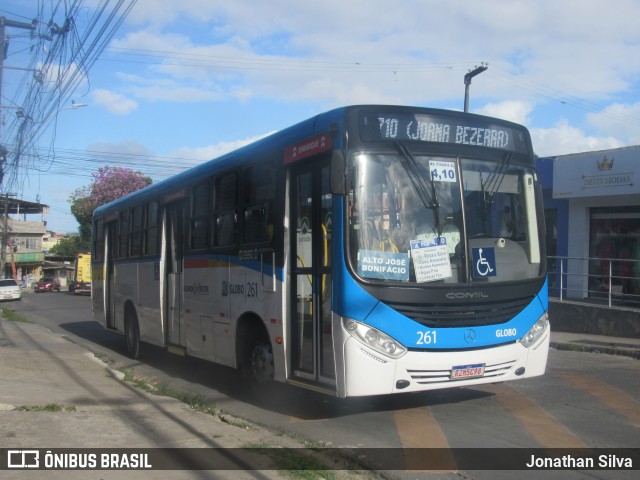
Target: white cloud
{"points": [[563, 139], [202, 154], [114, 102], [619, 120], [511, 110]]}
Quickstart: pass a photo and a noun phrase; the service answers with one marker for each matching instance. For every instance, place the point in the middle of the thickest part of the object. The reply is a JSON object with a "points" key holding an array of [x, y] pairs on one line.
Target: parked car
{"points": [[9, 289], [48, 284]]}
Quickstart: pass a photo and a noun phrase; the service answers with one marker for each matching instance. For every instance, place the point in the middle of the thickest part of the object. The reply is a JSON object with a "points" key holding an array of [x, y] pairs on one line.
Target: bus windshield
{"points": [[407, 217]]}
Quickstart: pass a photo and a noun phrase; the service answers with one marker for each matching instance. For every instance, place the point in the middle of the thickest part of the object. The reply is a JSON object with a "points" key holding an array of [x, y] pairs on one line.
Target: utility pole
{"points": [[6, 201], [467, 82], [4, 49]]}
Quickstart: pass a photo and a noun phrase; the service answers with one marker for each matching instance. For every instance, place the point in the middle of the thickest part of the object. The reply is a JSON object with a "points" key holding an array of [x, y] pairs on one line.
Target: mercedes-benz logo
{"points": [[470, 336]]}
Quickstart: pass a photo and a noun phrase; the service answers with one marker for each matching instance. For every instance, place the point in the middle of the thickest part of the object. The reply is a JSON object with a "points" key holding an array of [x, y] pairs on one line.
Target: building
{"points": [[50, 240], [592, 209], [21, 254]]}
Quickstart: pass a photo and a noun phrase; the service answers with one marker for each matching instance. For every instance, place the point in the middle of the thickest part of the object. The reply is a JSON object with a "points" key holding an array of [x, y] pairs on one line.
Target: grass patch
{"points": [[234, 421], [195, 401], [12, 316], [296, 463], [49, 407]]}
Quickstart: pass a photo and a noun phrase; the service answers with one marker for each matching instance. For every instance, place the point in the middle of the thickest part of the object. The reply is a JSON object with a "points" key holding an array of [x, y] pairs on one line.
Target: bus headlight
{"points": [[536, 332], [374, 338]]}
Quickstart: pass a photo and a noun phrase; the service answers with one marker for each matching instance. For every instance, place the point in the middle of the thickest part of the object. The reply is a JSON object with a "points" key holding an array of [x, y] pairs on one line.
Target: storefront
{"points": [[592, 205]]}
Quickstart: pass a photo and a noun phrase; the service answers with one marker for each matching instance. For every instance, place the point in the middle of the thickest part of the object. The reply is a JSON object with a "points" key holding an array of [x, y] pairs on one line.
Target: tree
{"points": [[69, 247], [109, 183]]}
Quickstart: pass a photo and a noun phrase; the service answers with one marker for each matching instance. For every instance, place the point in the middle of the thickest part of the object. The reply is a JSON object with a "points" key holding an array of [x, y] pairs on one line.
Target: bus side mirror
{"points": [[338, 173]]}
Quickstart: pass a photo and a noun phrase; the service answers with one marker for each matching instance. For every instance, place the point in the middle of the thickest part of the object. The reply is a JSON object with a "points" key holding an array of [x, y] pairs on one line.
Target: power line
{"points": [[64, 53]]}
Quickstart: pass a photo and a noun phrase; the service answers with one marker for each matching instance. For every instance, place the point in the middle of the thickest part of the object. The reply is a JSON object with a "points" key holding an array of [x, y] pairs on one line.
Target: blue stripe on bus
{"points": [[266, 268], [412, 335], [352, 301]]}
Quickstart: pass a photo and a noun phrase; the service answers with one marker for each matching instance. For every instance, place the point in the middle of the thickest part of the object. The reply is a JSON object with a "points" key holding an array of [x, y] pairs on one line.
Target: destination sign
{"points": [[441, 129]]}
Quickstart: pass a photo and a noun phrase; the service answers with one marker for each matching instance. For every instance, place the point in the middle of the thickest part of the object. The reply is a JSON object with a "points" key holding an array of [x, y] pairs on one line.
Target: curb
{"points": [[603, 349]]}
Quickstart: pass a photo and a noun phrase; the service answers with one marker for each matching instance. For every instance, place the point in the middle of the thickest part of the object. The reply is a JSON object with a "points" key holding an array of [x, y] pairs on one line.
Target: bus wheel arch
{"points": [[131, 331], [255, 352]]}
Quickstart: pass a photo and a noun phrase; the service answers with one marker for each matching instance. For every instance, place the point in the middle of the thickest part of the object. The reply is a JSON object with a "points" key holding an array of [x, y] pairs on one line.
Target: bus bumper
{"points": [[368, 372]]}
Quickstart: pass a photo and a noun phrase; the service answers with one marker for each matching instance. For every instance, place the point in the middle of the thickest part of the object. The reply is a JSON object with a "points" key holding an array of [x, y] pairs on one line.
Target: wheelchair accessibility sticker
{"points": [[484, 262]]}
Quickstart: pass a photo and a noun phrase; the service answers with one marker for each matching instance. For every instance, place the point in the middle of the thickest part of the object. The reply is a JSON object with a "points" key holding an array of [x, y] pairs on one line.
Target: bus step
{"points": [[177, 350]]}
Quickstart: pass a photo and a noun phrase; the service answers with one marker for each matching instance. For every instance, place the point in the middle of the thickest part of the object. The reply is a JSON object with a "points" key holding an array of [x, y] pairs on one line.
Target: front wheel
{"points": [[132, 335]]}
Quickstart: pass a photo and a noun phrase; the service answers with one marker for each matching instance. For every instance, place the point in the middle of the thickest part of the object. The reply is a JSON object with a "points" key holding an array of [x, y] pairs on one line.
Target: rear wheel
{"points": [[132, 334], [258, 364]]}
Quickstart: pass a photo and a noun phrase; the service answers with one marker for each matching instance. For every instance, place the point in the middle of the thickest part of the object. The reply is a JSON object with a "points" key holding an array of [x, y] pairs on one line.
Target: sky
{"points": [[181, 82]]}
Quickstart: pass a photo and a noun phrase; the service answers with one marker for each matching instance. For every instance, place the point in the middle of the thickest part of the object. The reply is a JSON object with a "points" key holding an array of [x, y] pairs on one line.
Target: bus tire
{"points": [[258, 361], [132, 334]]}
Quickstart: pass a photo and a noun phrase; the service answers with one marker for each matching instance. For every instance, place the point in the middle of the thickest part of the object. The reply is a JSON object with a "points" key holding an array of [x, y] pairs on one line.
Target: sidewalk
{"points": [[55, 394], [582, 342]]}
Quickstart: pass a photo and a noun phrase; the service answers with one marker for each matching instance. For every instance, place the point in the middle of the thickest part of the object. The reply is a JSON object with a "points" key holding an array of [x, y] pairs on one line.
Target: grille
{"points": [[425, 377], [467, 315]]}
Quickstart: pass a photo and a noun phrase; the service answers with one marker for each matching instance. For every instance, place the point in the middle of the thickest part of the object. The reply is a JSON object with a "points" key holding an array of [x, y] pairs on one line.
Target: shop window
{"points": [[614, 251]]}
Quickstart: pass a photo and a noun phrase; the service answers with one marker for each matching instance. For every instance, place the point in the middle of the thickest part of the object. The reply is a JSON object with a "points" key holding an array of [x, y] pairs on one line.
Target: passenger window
{"points": [[200, 216], [259, 200], [136, 232], [98, 240], [123, 245], [151, 238], [225, 210]]}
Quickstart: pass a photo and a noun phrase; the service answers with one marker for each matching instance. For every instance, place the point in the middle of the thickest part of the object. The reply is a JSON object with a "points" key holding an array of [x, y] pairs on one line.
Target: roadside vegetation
{"points": [[12, 316], [49, 407]]}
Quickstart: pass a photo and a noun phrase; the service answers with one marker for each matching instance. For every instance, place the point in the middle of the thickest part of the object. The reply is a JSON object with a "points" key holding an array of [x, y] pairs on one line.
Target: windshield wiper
{"points": [[494, 182], [491, 187], [428, 198]]}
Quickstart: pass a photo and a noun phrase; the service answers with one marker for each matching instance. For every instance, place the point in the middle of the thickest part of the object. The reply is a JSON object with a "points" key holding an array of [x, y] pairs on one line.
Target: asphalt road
{"points": [[585, 400]]}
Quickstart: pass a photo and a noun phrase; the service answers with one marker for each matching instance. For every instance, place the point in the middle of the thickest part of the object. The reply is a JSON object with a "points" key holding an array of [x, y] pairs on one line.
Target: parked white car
{"points": [[9, 289]]}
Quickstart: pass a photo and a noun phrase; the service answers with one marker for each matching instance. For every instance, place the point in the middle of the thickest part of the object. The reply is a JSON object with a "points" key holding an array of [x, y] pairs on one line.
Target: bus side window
{"points": [[123, 244], [259, 200], [136, 231], [200, 216], [98, 240], [225, 210], [152, 230]]}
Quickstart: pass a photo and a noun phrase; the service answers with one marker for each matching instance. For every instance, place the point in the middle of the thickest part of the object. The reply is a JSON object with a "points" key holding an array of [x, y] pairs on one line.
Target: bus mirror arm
{"points": [[338, 173]]}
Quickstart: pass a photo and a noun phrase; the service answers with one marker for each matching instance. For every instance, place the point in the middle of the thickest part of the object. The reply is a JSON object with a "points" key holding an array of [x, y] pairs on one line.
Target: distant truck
{"points": [[82, 280]]}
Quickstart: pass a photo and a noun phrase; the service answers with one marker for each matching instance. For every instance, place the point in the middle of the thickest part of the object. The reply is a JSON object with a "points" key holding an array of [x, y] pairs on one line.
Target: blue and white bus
{"points": [[368, 250]]}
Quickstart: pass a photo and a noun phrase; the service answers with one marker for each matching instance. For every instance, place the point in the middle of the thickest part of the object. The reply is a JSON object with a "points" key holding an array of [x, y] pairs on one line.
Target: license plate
{"points": [[467, 371]]}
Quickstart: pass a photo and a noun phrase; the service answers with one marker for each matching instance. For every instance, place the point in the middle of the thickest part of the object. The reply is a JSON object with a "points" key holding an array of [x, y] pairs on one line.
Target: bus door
{"points": [[311, 343], [109, 281], [174, 244]]}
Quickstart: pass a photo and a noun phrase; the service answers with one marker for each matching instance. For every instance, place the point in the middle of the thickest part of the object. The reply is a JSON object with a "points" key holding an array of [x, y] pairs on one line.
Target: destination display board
{"points": [[454, 129]]}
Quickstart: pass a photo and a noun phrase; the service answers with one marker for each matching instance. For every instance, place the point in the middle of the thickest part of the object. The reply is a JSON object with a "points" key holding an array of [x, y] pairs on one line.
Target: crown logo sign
{"points": [[605, 164]]}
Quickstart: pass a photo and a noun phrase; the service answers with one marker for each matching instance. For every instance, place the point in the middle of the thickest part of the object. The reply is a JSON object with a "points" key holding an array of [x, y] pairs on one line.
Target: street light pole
{"points": [[467, 82]]}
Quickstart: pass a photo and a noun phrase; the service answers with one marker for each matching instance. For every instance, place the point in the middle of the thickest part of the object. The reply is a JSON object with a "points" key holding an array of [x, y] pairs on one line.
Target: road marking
{"points": [[543, 427], [614, 398], [422, 440]]}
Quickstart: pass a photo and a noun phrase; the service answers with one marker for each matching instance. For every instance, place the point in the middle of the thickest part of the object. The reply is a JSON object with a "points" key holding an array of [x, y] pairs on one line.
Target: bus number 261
{"points": [[426, 338]]}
